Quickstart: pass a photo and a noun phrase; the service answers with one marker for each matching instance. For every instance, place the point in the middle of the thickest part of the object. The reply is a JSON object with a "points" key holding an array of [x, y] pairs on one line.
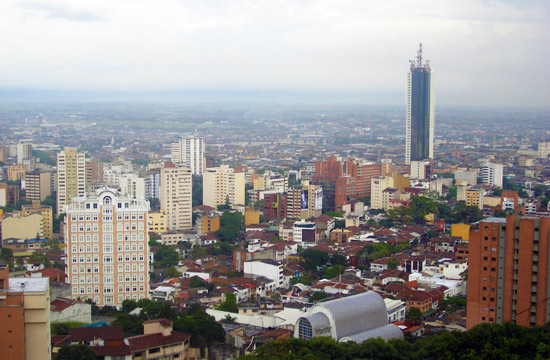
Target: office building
{"points": [[189, 151], [176, 187], [492, 174], [152, 185], [38, 185], [221, 185], [71, 177], [508, 271], [420, 111], [25, 314], [107, 247], [304, 201]]}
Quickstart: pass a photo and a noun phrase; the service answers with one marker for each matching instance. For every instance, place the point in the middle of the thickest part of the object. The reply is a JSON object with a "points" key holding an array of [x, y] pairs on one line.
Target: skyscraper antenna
{"points": [[419, 56]]}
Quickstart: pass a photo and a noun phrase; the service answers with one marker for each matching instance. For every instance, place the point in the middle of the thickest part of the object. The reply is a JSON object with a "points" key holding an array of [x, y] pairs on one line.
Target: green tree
{"points": [[231, 224], [414, 315], [128, 306], [229, 304], [166, 257], [39, 258], [6, 254], [317, 296], [76, 352], [197, 190], [203, 328], [172, 272], [393, 263]]}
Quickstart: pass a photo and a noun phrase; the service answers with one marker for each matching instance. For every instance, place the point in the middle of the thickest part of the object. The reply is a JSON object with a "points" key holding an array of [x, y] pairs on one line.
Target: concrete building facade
{"points": [[509, 272], [222, 184], [71, 177], [176, 196], [189, 151], [107, 248]]}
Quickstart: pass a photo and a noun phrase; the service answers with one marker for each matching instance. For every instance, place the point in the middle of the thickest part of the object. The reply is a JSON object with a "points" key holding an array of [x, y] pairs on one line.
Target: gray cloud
{"points": [[61, 11]]}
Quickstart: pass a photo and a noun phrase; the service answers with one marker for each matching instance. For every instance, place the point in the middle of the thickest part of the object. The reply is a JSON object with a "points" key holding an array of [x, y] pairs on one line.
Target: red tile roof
{"points": [[89, 334], [61, 304], [142, 342]]}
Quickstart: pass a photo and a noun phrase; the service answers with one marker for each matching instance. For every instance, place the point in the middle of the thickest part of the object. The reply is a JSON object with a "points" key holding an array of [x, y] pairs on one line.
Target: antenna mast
{"points": [[419, 56]]}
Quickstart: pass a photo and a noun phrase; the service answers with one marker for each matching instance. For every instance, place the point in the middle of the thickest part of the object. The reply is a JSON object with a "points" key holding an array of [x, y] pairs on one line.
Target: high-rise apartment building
{"points": [[492, 174], [107, 247], [24, 151], [17, 172], [420, 111], [152, 185], [222, 184], [71, 176], [189, 151], [37, 185], [378, 185], [304, 201], [176, 188], [509, 272]]}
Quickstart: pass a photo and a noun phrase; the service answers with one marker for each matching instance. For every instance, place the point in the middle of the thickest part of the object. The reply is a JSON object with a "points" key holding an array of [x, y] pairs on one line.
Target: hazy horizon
{"points": [[483, 52]]}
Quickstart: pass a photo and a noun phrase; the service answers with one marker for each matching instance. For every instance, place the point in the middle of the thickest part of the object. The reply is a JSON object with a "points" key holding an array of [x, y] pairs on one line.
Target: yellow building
{"points": [[157, 222], [251, 216], [71, 176], [47, 216], [17, 172], [474, 197], [258, 183], [25, 314], [206, 224], [159, 341], [461, 230], [400, 181], [18, 226]]}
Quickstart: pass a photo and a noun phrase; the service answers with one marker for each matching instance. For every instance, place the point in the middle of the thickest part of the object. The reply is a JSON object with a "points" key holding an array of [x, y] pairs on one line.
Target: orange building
{"points": [[25, 317], [508, 271]]}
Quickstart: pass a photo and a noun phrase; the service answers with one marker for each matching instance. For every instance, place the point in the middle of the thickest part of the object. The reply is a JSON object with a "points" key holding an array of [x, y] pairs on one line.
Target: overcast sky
{"points": [[482, 52]]}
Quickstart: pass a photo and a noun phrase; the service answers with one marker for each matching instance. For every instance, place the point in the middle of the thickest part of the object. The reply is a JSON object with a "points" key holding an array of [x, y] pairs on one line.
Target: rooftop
{"points": [[28, 285]]}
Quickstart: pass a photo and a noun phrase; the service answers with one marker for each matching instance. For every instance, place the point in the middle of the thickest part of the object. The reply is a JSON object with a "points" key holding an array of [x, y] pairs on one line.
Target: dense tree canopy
{"points": [[486, 341], [231, 224], [166, 257]]}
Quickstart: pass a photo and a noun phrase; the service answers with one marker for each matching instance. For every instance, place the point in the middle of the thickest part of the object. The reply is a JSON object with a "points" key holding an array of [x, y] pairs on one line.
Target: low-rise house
{"points": [[159, 341]]}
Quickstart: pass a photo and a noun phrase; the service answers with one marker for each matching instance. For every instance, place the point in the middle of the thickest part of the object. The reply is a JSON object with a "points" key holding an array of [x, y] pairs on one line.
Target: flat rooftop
{"points": [[27, 285]]}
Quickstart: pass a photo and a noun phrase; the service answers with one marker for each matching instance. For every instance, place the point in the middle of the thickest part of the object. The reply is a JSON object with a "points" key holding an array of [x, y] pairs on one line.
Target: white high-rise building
{"points": [[492, 174], [71, 176], [189, 151], [222, 184], [176, 189], [24, 151], [132, 185], [107, 247], [420, 111], [378, 185]]}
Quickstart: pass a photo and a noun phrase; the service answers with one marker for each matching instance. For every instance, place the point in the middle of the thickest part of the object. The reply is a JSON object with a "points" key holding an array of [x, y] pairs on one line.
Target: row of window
{"points": [[88, 290], [107, 211], [82, 259], [107, 269], [107, 279], [108, 238], [106, 248]]}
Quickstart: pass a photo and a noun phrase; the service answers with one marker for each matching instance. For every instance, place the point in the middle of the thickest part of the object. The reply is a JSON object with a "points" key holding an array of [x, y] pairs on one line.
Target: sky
{"points": [[482, 52]]}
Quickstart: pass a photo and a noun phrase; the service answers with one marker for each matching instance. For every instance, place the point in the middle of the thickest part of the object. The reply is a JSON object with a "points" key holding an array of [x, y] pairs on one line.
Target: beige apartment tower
{"points": [[107, 247], [222, 184], [176, 187], [71, 176], [38, 185]]}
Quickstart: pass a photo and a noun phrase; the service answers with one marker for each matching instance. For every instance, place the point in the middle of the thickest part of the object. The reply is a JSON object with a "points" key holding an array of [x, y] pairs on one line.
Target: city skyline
{"points": [[313, 50]]}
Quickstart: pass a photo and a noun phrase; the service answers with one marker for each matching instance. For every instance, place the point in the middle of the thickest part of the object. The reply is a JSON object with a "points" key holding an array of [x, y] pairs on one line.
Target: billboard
{"points": [[305, 200], [319, 199]]}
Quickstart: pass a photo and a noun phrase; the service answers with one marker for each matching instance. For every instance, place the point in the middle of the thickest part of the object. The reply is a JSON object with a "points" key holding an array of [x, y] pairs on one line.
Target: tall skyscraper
{"points": [[420, 111], [71, 176], [189, 151], [509, 272], [492, 174], [176, 188], [107, 247]]}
